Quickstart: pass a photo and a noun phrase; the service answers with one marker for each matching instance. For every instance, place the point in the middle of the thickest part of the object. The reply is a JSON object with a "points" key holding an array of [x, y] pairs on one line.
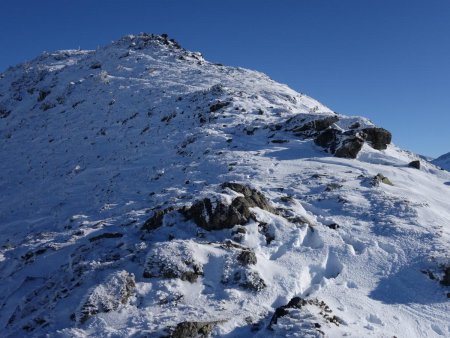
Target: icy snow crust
{"points": [[93, 142]]}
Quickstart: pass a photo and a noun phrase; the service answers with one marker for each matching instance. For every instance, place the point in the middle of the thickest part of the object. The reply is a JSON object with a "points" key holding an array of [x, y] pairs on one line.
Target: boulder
{"points": [[414, 164], [216, 215], [350, 146], [328, 139], [379, 178], [341, 144], [156, 220], [378, 138]]}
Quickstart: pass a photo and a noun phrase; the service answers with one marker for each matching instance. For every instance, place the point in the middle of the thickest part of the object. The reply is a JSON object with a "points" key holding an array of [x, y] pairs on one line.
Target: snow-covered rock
{"points": [[149, 192]]}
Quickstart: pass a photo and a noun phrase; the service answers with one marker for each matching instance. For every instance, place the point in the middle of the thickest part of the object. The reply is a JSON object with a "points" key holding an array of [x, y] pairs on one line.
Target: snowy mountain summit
{"points": [[147, 192], [443, 161]]}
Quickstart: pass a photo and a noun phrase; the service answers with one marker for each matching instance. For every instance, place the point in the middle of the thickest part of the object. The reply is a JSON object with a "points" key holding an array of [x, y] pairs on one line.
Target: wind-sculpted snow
{"points": [[147, 192]]}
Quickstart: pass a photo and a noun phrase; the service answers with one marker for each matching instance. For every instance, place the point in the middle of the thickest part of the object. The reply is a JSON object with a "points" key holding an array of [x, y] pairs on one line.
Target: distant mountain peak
{"points": [[443, 161]]}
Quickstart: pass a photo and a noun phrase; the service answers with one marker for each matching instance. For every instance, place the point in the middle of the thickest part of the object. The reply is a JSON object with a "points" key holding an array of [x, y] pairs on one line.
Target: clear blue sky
{"points": [[388, 60]]}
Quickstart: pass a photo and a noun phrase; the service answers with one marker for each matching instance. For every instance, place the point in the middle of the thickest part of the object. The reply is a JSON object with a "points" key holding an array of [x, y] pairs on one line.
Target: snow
{"points": [[137, 135]]}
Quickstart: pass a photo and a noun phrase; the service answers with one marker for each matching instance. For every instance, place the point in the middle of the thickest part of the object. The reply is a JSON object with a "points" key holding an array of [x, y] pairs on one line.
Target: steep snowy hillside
{"points": [[147, 192], [443, 161]]}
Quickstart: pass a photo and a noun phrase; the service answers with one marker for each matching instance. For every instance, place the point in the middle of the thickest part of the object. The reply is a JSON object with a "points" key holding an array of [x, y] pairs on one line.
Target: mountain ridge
{"points": [[148, 192], [443, 161]]}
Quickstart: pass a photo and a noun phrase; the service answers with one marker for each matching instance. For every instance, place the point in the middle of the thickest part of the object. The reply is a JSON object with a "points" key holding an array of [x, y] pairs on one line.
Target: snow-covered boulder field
{"points": [[147, 192]]}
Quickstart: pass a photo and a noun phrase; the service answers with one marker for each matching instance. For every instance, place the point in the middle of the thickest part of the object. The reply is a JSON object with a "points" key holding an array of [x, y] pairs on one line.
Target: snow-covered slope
{"points": [[148, 192], [443, 161]]}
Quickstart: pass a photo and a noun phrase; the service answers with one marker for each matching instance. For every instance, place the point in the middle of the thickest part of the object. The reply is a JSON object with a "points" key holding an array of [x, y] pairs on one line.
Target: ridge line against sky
{"points": [[381, 59]]}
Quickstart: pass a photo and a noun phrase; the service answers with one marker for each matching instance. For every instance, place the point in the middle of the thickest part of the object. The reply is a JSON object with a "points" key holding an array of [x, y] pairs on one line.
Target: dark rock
{"points": [[279, 141], [4, 113], [264, 229], [282, 311], [324, 312], [217, 216], [446, 279], [221, 216], [414, 164], [156, 220], [311, 128], [333, 226], [252, 196], [47, 105], [333, 186], [350, 146], [193, 329], [379, 138], [250, 280], [355, 125], [239, 230], [349, 143], [219, 105], [328, 139], [43, 94], [247, 257], [379, 178], [106, 235], [96, 65]]}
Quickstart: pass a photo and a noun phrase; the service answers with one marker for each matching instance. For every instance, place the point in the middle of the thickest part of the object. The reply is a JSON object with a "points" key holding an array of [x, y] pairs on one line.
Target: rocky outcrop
{"points": [[306, 127], [107, 297], [337, 137], [341, 144], [378, 138], [252, 197], [214, 214]]}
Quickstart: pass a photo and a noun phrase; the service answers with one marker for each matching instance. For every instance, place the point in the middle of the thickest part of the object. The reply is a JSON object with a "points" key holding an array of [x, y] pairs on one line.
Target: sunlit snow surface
{"points": [[87, 150]]}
